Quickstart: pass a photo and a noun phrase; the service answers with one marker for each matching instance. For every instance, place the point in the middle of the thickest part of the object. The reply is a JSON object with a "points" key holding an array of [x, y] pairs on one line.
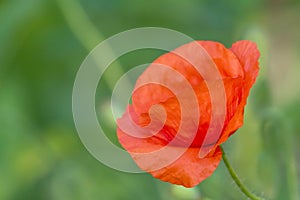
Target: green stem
{"points": [[88, 35], [236, 178]]}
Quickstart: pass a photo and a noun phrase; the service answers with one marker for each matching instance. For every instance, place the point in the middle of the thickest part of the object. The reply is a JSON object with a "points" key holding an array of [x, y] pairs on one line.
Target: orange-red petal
{"points": [[238, 68], [190, 170], [187, 170], [248, 55]]}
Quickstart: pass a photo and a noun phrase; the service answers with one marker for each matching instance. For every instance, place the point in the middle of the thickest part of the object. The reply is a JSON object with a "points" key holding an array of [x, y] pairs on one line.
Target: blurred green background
{"points": [[43, 43]]}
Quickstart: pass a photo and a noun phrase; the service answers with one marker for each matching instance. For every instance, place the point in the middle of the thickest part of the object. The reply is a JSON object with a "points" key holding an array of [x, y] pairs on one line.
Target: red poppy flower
{"points": [[152, 129]]}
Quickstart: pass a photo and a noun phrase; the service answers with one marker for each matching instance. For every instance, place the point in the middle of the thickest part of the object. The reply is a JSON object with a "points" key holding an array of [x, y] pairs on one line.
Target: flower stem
{"points": [[236, 178], [88, 35]]}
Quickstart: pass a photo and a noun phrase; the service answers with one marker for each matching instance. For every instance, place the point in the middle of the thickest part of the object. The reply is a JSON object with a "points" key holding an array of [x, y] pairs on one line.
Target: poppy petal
{"points": [[248, 55], [190, 170], [226, 61], [168, 93], [187, 170]]}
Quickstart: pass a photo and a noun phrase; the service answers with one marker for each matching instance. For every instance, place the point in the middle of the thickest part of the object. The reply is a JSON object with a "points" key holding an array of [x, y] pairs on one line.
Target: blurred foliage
{"points": [[41, 156]]}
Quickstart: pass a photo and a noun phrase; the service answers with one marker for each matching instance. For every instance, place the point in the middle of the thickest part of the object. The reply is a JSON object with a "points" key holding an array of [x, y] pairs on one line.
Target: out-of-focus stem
{"points": [[88, 35]]}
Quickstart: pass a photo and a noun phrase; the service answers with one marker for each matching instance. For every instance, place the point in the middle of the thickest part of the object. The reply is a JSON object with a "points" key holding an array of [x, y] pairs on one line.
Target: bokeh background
{"points": [[43, 43]]}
